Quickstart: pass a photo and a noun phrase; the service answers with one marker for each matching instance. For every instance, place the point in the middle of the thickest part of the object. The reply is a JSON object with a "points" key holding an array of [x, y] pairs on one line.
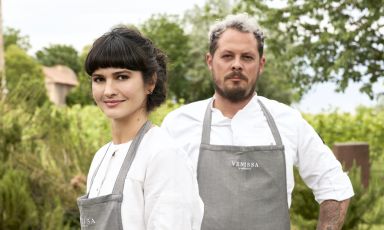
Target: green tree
{"points": [[165, 31], [17, 208], [198, 20], [60, 55], [82, 93], [327, 41], [14, 37], [25, 80], [304, 210], [275, 82]]}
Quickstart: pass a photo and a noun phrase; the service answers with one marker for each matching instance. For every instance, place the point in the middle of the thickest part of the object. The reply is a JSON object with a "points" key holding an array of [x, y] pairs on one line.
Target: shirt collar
{"points": [[218, 116]]}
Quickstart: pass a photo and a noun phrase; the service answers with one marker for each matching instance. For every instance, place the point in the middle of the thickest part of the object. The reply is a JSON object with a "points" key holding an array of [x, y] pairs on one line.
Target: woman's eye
{"points": [[97, 79], [121, 77]]}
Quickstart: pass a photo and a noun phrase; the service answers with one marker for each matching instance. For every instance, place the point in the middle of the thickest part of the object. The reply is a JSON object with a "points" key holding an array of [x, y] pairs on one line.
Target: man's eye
{"points": [[226, 56], [248, 58]]}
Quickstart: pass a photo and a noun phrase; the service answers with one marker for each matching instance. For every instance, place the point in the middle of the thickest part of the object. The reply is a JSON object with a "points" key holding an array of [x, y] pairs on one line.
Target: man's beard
{"points": [[235, 94]]}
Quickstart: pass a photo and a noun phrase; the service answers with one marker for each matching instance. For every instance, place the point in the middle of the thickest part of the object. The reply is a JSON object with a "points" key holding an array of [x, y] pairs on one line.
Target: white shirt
{"points": [[317, 165], [160, 190]]}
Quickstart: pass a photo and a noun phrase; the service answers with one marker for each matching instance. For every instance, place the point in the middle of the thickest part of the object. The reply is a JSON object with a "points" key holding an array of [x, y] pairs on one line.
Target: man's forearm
{"points": [[332, 214]]}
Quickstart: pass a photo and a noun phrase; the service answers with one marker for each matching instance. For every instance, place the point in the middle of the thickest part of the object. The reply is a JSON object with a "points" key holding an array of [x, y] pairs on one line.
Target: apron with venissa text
{"points": [[104, 212], [243, 187]]}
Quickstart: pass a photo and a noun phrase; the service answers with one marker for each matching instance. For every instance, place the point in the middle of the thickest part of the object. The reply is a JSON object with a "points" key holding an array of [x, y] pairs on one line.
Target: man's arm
{"points": [[332, 214]]}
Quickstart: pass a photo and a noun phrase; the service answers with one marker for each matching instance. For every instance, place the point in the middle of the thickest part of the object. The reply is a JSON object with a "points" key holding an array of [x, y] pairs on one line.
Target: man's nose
{"points": [[237, 65]]}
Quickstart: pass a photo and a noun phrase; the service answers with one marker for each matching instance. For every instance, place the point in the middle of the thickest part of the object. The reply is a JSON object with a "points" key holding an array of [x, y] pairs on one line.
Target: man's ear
{"points": [[262, 64], [208, 60]]}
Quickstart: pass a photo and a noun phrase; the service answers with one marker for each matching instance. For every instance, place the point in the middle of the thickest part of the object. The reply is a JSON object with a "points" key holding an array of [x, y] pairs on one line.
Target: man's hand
{"points": [[332, 214]]}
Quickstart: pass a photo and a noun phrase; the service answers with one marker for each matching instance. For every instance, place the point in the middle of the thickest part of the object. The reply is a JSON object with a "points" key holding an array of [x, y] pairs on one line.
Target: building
{"points": [[59, 80]]}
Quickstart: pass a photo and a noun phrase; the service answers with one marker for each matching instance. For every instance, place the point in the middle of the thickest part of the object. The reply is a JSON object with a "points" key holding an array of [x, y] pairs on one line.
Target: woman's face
{"points": [[120, 93]]}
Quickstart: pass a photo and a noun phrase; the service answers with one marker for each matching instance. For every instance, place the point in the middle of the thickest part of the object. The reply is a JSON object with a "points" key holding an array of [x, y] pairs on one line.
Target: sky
{"points": [[79, 22]]}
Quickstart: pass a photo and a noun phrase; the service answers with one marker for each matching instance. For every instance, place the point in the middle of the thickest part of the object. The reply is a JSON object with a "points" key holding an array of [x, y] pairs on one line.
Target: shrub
{"points": [[366, 208]]}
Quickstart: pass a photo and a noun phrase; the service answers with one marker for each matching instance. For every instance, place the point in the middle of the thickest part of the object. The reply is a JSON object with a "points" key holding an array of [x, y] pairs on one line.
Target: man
{"points": [[244, 146]]}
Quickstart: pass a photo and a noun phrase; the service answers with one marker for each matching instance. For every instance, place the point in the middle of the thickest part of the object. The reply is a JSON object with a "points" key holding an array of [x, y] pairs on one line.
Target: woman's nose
{"points": [[110, 89]]}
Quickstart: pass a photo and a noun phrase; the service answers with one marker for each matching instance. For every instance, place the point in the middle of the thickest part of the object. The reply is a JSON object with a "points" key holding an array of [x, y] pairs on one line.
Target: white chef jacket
{"points": [[160, 190], [316, 163]]}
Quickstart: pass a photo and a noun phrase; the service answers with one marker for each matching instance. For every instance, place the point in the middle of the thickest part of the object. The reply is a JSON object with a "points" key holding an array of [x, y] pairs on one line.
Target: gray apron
{"points": [[104, 212], [243, 187]]}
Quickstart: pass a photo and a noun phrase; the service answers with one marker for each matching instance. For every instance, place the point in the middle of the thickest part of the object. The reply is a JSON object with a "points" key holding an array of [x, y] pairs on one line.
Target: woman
{"points": [[139, 180]]}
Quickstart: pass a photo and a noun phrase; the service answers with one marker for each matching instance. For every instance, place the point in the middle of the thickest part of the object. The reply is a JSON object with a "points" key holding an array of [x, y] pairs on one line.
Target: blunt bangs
{"points": [[115, 52]]}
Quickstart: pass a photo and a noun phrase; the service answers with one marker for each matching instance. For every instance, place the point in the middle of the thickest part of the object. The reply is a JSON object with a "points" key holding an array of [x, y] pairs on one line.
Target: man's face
{"points": [[235, 65]]}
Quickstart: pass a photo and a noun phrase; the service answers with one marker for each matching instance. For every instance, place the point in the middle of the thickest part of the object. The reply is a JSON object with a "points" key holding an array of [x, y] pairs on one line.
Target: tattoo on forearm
{"points": [[332, 214]]}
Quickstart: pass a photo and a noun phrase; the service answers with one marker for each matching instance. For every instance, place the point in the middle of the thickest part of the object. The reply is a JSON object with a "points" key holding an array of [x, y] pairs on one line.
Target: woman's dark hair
{"points": [[125, 47]]}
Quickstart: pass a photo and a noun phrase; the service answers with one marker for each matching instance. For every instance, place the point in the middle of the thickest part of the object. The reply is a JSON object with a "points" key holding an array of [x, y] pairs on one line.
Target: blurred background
{"points": [[325, 58]]}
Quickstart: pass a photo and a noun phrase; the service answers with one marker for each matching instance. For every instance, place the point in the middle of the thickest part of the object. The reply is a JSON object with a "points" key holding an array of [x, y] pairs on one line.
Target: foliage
{"points": [[60, 55], [45, 151], [158, 115], [366, 125], [197, 22], [275, 85], [165, 31], [304, 210], [54, 147], [14, 37], [24, 79], [17, 208], [81, 94], [48, 157], [371, 197], [10, 132], [275, 82], [337, 41]]}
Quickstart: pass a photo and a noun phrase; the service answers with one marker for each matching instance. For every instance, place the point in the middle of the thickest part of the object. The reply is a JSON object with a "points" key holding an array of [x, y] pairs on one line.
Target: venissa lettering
{"points": [[86, 221], [244, 165]]}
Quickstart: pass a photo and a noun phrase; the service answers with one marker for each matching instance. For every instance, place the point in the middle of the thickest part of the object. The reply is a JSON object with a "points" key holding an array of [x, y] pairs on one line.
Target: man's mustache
{"points": [[235, 75]]}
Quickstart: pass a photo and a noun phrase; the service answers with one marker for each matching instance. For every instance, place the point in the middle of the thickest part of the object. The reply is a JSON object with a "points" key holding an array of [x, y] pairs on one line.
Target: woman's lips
{"points": [[112, 103]]}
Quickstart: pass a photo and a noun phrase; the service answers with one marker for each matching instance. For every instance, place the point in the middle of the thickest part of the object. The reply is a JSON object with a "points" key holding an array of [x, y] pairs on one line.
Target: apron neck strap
{"points": [[206, 134], [119, 183], [271, 123], [97, 168]]}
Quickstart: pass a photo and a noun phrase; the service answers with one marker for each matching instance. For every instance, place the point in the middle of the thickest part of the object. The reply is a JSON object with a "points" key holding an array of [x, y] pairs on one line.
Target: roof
{"points": [[60, 74]]}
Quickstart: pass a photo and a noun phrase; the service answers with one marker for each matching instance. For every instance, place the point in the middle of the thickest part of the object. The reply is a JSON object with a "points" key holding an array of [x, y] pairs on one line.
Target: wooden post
{"points": [[357, 152]]}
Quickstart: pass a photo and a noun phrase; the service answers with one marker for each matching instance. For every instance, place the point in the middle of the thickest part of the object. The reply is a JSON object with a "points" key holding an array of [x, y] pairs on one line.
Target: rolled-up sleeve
{"points": [[319, 168]]}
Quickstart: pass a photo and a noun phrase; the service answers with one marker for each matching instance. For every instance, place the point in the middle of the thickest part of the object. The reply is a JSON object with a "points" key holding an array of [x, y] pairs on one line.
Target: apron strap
{"points": [[271, 123], [97, 169], [206, 133], [119, 184]]}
